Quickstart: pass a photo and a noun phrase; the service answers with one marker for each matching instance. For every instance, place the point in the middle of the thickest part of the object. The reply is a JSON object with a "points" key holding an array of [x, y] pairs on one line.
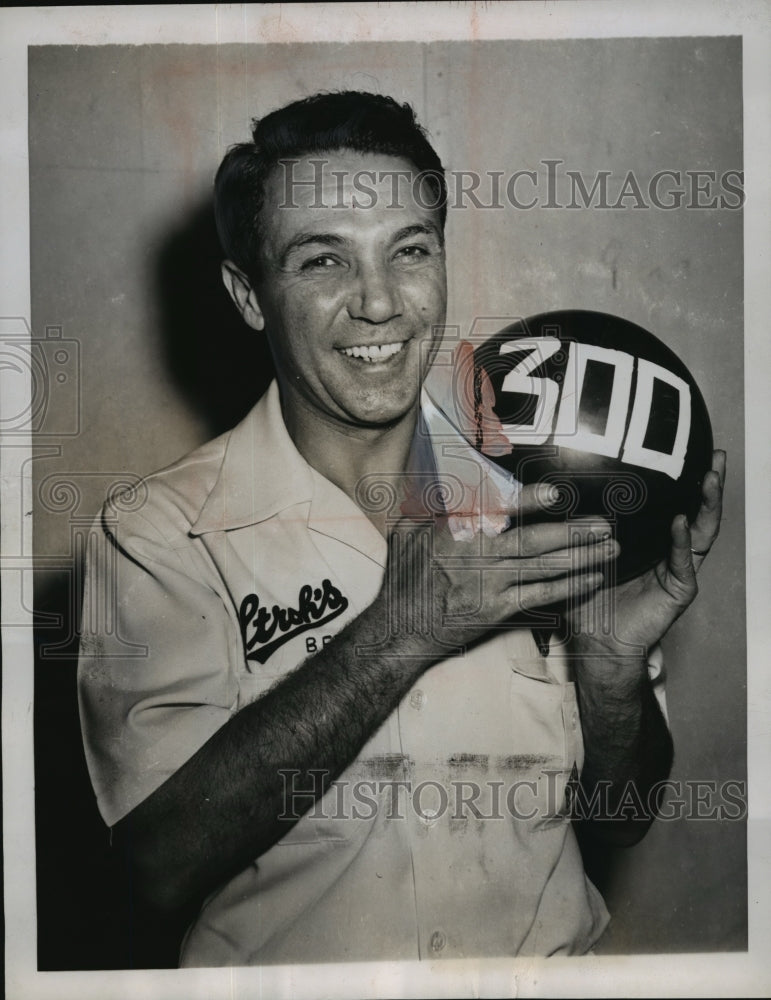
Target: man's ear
{"points": [[242, 293]]}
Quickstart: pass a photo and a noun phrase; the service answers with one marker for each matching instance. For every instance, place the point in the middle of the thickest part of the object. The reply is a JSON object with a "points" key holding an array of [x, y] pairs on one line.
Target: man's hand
{"points": [[221, 808], [441, 593], [626, 739], [640, 611]]}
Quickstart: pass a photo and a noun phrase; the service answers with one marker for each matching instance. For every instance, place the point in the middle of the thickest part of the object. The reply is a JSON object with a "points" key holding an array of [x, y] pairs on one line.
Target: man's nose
{"points": [[375, 295]]}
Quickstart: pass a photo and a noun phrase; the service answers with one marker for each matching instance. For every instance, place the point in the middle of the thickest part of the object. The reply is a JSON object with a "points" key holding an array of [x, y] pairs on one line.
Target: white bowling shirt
{"points": [[447, 837]]}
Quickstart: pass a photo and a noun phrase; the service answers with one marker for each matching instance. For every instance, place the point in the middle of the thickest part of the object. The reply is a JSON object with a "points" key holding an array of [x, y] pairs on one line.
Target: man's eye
{"points": [[413, 252], [319, 263]]}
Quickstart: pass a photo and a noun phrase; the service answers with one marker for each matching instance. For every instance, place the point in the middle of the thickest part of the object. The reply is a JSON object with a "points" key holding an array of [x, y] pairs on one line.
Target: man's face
{"points": [[352, 294]]}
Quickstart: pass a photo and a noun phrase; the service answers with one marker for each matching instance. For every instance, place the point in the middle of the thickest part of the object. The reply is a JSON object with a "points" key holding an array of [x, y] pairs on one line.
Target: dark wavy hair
{"points": [[323, 123]]}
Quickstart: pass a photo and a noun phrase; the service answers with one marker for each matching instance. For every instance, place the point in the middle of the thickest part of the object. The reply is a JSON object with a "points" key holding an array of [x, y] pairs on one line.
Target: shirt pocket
{"points": [[546, 749]]}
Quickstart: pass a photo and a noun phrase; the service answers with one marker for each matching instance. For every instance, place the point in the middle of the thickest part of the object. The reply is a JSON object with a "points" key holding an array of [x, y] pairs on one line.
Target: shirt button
{"points": [[417, 699], [438, 941], [574, 720]]}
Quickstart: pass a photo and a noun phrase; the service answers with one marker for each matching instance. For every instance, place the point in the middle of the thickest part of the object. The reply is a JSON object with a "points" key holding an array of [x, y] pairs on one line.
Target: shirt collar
{"points": [[248, 491], [248, 488], [448, 445]]}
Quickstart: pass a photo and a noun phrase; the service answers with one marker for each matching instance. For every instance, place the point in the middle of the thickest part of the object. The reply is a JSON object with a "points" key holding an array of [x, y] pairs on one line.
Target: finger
{"points": [[563, 562], [714, 480], [560, 562], [719, 464], [501, 508], [535, 498], [682, 559], [545, 592], [548, 536], [706, 525]]}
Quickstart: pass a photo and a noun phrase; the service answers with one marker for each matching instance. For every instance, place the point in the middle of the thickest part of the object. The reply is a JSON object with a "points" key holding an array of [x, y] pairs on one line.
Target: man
{"points": [[343, 744]]}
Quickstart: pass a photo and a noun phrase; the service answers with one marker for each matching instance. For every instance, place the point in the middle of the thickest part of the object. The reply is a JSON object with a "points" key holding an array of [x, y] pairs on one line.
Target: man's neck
{"points": [[346, 454]]}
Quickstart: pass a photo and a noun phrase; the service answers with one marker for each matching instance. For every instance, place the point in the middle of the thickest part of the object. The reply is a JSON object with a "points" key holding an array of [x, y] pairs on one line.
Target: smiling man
{"points": [[353, 302], [342, 743]]}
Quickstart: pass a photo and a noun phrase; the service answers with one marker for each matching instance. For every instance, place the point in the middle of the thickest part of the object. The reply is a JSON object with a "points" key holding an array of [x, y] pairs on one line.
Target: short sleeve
{"points": [[157, 675]]}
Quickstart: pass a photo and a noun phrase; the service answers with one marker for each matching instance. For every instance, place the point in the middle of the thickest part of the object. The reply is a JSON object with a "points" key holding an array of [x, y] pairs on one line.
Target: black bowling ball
{"points": [[602, 409]]}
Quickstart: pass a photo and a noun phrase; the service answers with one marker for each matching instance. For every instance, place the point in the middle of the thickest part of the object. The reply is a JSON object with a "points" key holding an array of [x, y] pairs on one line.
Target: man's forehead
{"points": [[346, 179]]}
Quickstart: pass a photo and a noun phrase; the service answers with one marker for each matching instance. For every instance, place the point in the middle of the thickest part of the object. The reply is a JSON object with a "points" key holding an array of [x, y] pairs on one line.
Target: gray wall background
{"points": [[124, 142]]}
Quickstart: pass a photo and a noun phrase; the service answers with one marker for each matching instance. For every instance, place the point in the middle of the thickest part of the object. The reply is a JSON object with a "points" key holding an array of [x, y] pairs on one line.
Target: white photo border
{"points": [[682, 975]]}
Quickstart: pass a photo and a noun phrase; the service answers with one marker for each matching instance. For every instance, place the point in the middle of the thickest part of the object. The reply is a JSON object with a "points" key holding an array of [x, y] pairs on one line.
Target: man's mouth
{"points": [[372, 353]]}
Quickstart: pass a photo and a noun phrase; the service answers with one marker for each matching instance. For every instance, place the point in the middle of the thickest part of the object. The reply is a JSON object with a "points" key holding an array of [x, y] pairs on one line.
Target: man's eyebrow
{"points": [[417, 229]]}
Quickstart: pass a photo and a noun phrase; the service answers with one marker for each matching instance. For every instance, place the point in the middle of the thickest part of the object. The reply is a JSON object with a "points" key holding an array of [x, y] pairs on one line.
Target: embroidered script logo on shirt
{"points": [[259, 624]]}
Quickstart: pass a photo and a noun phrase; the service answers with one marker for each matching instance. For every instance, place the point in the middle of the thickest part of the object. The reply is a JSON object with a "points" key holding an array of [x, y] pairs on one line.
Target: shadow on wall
{"points": [[87, 914], [218, 363]]}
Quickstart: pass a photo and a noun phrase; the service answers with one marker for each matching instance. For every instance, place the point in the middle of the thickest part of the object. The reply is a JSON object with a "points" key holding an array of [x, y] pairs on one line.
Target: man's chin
{"points": [[351, 411], [381, 410], [381, 418]]}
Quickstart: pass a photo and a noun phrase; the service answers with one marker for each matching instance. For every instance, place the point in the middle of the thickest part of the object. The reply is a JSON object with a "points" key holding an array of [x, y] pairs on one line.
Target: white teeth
{"points": [[373, 352]]}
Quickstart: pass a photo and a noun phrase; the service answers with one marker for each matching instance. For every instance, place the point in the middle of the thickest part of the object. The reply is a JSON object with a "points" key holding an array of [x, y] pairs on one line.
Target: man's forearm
{"points": [[628, 749], [220, 810]]}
